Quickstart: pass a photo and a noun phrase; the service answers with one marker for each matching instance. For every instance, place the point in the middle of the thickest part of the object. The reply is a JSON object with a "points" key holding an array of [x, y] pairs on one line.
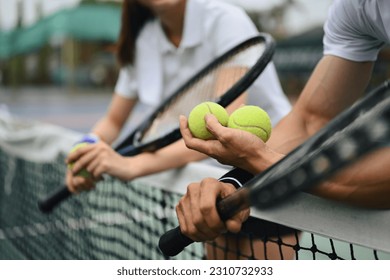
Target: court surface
{"points": [[75, 109]]}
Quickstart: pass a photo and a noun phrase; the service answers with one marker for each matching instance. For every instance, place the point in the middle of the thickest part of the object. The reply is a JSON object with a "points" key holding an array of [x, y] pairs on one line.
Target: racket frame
{"points": [[130, 146], [264, 189]]}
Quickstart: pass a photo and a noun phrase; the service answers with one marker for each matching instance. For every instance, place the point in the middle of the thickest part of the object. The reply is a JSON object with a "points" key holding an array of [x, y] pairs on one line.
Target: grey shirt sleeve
{"points": [[354, 30]]}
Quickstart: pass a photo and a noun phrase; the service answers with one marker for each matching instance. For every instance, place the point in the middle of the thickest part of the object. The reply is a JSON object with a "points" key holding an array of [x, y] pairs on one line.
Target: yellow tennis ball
{"points": [[83, 172], [252, 119], [196, 121]]}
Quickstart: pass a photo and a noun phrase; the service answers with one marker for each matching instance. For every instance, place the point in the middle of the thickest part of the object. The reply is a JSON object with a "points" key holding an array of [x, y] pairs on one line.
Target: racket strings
{"points": [[207, 87]]}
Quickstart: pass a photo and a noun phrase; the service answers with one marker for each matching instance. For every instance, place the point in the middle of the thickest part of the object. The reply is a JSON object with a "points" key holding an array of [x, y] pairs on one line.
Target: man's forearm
{"points": [[365, 183]]}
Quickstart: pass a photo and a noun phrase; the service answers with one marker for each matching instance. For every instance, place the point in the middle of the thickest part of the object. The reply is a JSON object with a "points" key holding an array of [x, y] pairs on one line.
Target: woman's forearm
{"points": [[173, 156]]}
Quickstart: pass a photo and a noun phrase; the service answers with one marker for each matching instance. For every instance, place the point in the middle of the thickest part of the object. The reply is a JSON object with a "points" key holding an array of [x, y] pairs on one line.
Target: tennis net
{"points": [[124, 220]]}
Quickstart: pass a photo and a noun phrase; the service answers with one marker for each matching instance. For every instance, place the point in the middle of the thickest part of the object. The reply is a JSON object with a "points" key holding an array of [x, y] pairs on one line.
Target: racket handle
{"points": [[173, 242], [47, 204]]}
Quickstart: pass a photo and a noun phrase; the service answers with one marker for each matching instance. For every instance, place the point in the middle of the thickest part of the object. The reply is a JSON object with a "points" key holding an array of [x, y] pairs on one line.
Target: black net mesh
{"points": [[125, 221]]}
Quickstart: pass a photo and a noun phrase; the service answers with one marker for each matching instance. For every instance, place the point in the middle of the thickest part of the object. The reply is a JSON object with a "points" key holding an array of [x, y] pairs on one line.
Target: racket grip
{"points": [[173, 242], [47, 204]]}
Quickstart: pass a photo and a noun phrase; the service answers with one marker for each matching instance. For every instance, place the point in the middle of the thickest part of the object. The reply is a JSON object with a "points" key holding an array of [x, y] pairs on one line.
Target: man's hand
{"points": [[197, 212], [231, 146]]}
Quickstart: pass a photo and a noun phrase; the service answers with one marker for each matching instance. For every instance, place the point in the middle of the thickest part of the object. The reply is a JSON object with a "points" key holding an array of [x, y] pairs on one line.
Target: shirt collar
{"points": [[192, 32]]}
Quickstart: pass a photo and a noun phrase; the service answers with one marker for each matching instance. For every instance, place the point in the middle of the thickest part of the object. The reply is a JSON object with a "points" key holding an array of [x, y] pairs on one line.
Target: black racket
{"points": [[357, 131], [221, 81]]}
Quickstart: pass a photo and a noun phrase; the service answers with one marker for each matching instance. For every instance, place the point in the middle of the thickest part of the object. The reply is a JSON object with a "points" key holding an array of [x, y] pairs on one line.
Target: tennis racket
{"points": [[357, 131], [221, 81]]}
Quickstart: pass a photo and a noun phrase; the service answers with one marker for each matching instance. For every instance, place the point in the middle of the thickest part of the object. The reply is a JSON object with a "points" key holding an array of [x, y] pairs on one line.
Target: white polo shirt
{"points": [[210, 29], [357, 29]]}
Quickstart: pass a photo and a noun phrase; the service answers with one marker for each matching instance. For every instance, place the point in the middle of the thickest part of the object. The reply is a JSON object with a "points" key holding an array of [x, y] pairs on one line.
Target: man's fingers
{"points": [[210, 191], [201, 217], [190, 141], [213, 125], [185, 131], [185, 213], [234, 224], [197, 212]]}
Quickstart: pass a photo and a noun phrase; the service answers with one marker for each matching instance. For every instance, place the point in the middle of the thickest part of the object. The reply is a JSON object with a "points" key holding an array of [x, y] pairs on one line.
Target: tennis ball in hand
{"points": [[83, 172], [252, 119], [196, 121]]}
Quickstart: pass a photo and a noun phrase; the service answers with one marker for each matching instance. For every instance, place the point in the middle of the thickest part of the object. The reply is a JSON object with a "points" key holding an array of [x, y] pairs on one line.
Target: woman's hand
{"points": [[97, 159]]}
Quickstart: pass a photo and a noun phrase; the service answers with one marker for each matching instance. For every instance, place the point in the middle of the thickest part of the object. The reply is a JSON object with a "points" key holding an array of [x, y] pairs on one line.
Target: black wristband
{"points": [[237, 177]]}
